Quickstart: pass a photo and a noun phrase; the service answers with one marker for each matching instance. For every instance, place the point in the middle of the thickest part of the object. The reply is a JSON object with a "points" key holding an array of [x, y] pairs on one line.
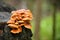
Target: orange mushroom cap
{"points": [[18, 19], [18, 30]]}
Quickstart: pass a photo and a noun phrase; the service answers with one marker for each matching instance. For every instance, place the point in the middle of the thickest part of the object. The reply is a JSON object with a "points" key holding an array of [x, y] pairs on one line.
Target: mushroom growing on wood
{"points": [[18, 19]]}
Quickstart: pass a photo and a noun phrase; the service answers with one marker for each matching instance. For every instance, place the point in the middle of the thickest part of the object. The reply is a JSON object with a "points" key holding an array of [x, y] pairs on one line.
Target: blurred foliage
{"points": [[58, 26], [46, 28]]}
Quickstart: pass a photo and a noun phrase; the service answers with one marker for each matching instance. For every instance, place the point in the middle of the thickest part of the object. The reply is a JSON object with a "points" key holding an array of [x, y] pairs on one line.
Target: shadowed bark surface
{"points": [[5, 10], [26, 34]]}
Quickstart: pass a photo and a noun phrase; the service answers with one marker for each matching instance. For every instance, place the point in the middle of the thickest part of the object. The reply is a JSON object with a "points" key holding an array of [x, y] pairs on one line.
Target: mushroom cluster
{"points": [[18, 19]]}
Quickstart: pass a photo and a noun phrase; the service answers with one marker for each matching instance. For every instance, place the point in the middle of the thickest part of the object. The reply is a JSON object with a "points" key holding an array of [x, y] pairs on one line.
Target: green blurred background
{"points": [[46, 17]]}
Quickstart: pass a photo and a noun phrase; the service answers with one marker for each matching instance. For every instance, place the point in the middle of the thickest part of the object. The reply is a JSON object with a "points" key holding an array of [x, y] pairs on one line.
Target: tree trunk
{"points": [[37, 20], [54, 22]]}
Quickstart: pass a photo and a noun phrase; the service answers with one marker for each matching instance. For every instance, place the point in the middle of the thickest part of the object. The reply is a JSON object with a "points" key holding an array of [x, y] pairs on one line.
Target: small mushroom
{"points": [[13, 26], [18, 30]]}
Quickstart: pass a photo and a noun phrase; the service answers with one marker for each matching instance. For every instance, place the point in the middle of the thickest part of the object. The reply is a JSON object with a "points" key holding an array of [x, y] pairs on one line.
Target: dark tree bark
{"points": [[26, 34], [4, 17]]}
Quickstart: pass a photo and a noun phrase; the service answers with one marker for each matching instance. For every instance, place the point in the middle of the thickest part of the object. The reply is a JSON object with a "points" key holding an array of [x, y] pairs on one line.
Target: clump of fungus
{"points": [[18, 19]]}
